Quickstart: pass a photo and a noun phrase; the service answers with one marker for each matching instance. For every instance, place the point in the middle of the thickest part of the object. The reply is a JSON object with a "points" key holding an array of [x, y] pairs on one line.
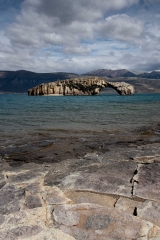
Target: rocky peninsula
{"points": [[80, 86]]}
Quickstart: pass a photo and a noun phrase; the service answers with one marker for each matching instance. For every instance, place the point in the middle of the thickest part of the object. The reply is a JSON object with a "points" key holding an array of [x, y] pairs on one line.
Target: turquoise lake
{"points": [[22, 115]]}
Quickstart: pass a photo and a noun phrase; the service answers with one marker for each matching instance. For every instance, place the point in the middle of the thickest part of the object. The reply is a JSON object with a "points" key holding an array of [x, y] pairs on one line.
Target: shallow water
{"points": [[23, 116]]}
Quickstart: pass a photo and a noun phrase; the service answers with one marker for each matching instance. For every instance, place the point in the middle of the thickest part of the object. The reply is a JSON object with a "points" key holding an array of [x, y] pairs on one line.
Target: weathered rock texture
{"points": [[110, 195], [80, 86], [122, 88]]}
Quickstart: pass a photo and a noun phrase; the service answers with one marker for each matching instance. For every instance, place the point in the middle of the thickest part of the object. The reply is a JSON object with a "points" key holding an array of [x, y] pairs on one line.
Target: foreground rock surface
{"points": [[110, 193], [80, 86]]}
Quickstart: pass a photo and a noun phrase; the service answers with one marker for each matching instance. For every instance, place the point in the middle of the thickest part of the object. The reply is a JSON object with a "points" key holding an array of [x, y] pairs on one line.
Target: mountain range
{"points": [[20, 81], [123, 73], [111, 73]]}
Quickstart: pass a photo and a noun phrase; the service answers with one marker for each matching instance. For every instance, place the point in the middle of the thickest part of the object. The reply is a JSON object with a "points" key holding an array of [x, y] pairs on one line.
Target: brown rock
{"points": [[122, 88], [80, 86], [127, 205], [90, 197], [91, 222]]}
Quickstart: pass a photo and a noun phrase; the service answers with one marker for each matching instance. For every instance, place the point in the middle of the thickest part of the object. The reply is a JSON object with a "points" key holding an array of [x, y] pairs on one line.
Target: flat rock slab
{"points": [[127, 205], [148, 182], [10, 199], [53, 196], [91, 197], [20, 232], [111, 179], [32, 201], [92, 222], [22, 177], [149, 211]]}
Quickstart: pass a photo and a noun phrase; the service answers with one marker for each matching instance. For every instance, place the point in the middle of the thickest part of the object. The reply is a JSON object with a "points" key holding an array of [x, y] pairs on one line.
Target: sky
{"points": [[79, 36]]}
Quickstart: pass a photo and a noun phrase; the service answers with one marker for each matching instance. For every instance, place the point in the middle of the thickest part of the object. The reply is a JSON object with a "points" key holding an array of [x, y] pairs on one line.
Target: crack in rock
{"points": [[134, 180]]}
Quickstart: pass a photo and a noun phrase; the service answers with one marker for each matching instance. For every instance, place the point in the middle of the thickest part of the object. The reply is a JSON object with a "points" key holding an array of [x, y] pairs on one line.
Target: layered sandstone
{"points": [[80, 86]]}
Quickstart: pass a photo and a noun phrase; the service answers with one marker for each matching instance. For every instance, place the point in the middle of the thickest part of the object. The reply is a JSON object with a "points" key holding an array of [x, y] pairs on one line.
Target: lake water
{"points": [[23, 116]]}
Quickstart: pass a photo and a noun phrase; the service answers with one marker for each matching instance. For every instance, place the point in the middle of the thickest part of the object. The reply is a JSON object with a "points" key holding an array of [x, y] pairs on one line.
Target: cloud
{"points": [[123, 28], [142, 62], [67, 23], [68, 10], [80, 50], [34, 29], [80, 35]]}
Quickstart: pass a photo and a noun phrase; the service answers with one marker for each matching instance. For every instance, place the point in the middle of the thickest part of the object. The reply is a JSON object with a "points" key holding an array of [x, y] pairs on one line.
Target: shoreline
{"points": [[64, 144], [69, 186]]}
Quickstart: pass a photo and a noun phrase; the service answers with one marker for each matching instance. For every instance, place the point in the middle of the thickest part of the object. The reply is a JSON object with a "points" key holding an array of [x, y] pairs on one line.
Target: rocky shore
{"points": [[87, 186]]}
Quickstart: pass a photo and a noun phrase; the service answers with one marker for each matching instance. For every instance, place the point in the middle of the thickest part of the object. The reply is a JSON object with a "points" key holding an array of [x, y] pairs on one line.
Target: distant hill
{"points": [[21, 81], [152, 75], [111, 73]]}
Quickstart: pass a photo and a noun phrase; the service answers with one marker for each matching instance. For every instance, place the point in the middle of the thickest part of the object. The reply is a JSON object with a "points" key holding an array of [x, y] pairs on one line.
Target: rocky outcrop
{"points": [[80, 86], [111, 194], [122, 88]]}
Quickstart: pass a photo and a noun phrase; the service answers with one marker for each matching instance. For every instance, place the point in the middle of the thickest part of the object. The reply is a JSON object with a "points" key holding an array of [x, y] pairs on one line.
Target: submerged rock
{"points": [[80, 86]]}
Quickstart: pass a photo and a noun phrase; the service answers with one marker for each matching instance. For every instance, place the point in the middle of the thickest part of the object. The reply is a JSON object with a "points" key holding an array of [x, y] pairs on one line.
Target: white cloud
{"points": [[80, 35], [123, 28]]}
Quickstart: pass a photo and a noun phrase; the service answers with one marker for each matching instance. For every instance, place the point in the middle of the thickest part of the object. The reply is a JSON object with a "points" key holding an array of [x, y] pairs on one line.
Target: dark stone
{"points": [[32, 202], [10, 197], [22, 177], [33, 188]]}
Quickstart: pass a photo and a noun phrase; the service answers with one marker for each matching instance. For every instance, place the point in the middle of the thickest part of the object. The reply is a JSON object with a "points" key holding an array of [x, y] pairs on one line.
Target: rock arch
{"points": [[80, 86]]}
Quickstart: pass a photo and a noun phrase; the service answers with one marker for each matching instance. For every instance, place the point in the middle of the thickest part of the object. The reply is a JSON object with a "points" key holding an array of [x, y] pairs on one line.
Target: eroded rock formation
{"points": [[122, 88], [80, 86]]}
